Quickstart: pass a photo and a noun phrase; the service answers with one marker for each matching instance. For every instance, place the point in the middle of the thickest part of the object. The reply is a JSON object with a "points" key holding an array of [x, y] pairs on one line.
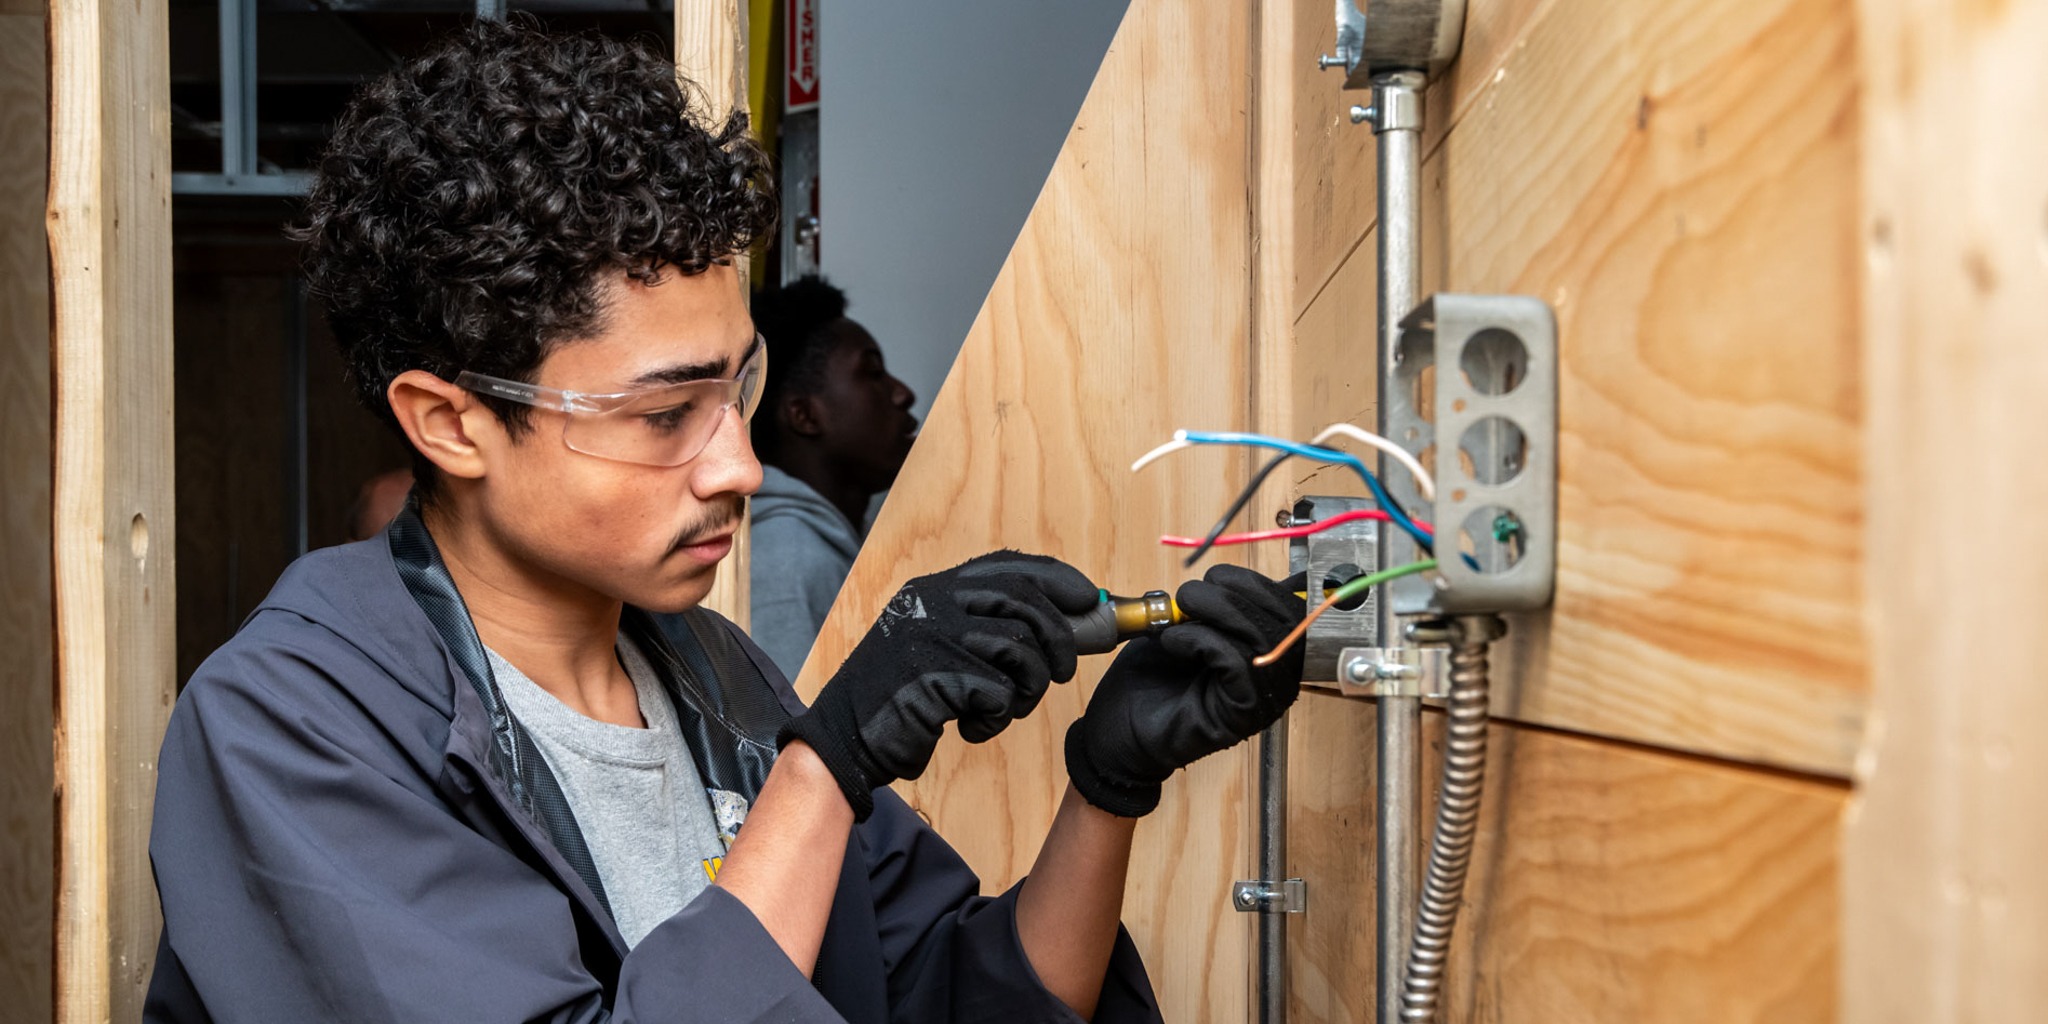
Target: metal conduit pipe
{"points": [[1457, 817], [1396, 116], [1272, 954]]}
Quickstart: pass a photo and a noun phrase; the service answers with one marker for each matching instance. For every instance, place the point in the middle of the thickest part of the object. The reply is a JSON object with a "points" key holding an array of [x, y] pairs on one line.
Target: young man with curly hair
{"points": [[458, 771]]}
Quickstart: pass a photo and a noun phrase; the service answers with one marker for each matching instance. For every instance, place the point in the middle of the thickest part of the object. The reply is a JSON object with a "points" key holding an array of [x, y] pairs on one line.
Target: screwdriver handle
{"points": [[1117, 619]]}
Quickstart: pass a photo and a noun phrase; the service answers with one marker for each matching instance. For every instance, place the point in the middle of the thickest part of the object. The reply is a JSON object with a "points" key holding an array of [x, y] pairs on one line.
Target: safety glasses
{"points": [[660, 426]]}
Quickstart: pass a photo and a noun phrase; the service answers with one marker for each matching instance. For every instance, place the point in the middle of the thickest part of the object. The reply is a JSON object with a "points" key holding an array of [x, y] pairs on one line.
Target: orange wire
{"points": [[1292, 637], [1351, 588]]}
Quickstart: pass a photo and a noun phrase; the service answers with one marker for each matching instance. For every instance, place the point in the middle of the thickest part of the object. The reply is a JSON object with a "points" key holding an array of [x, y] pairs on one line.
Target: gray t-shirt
{"points": [[638, 799]]}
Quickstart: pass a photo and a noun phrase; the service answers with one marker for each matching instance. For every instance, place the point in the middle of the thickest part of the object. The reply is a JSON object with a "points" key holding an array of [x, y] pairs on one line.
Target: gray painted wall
{"points": [[938, 123]]}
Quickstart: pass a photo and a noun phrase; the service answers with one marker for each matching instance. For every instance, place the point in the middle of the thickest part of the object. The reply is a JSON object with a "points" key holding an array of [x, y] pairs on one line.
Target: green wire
{"points": [[1365, 583]]}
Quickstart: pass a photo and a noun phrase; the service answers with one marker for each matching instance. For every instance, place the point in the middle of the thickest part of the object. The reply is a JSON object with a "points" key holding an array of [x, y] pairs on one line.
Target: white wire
{"points": [[1423, 481], [1180, 440]]}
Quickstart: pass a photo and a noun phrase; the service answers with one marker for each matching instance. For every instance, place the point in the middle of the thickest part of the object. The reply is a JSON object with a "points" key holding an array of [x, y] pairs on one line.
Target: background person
{"points": [[833, 432]]}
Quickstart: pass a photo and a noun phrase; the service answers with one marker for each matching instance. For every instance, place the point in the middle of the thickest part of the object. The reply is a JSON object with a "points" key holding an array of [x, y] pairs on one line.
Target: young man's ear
{"points": [[431, 412], [802, 415]]}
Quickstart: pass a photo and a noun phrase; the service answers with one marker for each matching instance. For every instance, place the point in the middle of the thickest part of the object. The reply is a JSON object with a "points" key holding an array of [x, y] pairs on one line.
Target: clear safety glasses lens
{"points": [[665, 426]]}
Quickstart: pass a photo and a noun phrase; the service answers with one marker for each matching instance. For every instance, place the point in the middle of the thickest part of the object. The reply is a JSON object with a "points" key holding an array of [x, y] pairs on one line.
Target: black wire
{"points": [[1244, 498]]}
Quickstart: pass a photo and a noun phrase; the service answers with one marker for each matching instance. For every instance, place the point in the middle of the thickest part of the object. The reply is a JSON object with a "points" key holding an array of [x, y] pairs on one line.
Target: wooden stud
{"points": [[109, 229], [711, 51], [1946, 906]]}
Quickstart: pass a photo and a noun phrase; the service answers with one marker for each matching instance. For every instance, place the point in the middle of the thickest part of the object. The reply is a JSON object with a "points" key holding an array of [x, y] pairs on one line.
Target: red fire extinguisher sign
{"points": [[800, 56]]}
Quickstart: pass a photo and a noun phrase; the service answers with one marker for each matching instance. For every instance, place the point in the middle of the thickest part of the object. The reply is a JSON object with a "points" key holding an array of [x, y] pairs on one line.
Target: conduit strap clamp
{"points": [[1264, 897], [1394, 671]]}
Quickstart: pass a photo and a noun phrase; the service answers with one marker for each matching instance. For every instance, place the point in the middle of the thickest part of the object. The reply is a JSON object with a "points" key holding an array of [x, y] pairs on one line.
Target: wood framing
{"points": [[711, 50], [1609, 883], [110, 244], [1678, 181], [1946, 905]]}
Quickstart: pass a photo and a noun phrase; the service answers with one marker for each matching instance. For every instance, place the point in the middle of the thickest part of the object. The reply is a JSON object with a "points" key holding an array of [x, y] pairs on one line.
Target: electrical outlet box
{"points": [[1473, 392], [1328, 558]]}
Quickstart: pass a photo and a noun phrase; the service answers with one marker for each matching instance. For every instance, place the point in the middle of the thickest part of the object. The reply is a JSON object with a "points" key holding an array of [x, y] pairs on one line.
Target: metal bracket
{"points": [[1398, 34], [1394, 672], [1473, 390], [1262, 897]]}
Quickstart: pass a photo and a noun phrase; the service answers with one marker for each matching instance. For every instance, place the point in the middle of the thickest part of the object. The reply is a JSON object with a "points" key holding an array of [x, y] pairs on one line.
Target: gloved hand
{"points": [[978, 643], [1170, 700]]}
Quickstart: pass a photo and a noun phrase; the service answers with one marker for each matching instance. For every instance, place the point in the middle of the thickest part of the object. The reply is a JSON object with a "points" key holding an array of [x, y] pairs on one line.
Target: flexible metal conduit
{"points": [[1457, 817]]}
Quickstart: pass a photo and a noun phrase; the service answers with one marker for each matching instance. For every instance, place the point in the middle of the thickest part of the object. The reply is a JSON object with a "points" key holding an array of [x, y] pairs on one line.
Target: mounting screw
{"points": [[1359, 671], [1360, 115], [1283, 519], [1325, 62]]}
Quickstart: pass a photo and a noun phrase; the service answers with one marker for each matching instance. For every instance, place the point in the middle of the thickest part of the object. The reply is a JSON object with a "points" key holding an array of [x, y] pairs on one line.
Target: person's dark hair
{"points": [[793, 321], [472, 200]]}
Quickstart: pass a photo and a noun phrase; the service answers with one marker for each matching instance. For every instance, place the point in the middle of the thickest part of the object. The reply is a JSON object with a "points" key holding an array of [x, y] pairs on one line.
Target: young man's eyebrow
{"points": [[677, 374]]}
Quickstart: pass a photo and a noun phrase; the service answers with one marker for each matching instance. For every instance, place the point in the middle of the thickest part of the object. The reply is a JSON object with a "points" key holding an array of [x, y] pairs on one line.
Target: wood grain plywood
{"points": [[1119, 316], [27, 819], [1609, 883], [109, 225], [1946, 903], [1334, 166], [1689, 212]]}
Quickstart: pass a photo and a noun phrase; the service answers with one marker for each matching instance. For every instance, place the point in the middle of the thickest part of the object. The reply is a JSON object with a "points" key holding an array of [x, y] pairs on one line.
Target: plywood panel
{"points": [[1119, 316], [1609, 883], [1688, 210], [113, 523], [1334, 158], [27, 820], [1946, 905]]}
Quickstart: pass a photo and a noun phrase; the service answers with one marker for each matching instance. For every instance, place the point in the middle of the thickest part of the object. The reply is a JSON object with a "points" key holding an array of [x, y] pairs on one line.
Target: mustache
{"points": [[719, 514]]}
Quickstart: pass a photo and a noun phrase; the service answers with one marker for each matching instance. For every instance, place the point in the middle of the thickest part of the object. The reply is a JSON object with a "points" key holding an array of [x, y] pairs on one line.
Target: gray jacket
{"points": [[351, 827], [803, 547]]}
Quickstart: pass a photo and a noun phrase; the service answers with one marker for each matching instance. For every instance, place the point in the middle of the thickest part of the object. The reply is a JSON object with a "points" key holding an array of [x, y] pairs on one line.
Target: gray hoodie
{"points": [[802, 549]]}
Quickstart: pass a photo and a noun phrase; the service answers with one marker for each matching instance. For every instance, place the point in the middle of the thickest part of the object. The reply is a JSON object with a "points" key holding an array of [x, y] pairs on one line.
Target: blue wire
{"points": [[1379, 494]]}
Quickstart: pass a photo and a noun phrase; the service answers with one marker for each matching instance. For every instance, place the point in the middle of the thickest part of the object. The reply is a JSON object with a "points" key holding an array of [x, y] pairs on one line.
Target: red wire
{"points": [[1292, 531]]}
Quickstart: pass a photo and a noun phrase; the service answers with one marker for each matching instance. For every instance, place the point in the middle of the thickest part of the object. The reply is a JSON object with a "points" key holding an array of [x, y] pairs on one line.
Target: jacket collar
{"points": [[727, 710]]}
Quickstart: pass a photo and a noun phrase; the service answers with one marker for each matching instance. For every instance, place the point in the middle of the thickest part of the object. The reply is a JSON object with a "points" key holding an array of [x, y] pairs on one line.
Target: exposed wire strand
{"points": [[1338, 596], [1423, 481], [1289, 532], [1179, 442]]}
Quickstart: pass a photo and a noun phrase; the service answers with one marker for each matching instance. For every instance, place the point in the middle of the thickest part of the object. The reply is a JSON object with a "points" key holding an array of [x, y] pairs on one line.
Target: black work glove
{"points": [[1171, 700], [978, 643]]}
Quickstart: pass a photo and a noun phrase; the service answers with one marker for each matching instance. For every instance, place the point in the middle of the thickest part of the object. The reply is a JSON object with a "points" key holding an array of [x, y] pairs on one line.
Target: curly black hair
{"points": [[792, 321], [471, 200]]}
